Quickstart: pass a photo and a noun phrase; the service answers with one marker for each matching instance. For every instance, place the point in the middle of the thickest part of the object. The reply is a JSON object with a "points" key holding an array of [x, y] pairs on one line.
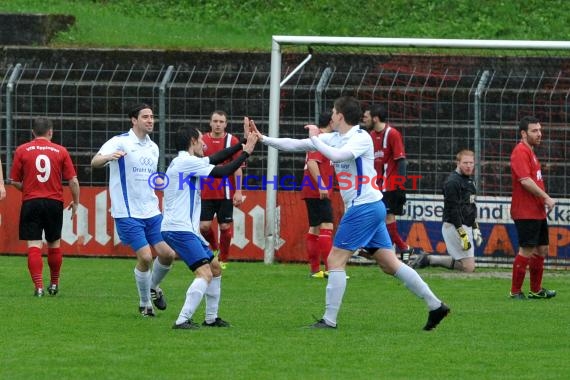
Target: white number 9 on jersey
{"points": [[43, 164]]}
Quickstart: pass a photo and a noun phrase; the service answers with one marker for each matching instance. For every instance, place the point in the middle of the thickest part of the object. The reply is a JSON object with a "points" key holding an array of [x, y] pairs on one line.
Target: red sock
{"points": [[519, 271], [325, 245], [55, 259], [210, 236], [395, 236], [225, 241], [36, 266], [536, 269], [312, 243]]}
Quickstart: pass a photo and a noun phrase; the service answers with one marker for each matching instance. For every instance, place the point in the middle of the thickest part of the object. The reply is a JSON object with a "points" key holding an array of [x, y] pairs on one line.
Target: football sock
{"points": [[213, 293], [225, 241], [519, 271], [441, 261], [142, 280], [416, 285], [312, 242], [211, 236], [159, 271], [194, 296], [536, 269], [325, 245], [36, 266], [55, 259], [395, 236], [336, 286]]}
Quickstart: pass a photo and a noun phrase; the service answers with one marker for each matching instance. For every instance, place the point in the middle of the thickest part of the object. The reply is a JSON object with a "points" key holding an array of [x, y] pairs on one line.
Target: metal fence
{"points": [[430, 99]]}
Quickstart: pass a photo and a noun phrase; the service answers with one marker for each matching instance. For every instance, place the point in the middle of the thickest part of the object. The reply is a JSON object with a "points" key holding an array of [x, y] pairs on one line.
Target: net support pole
{"points": [[477, 132], [272, 155], [9, 116], [162, 118]]}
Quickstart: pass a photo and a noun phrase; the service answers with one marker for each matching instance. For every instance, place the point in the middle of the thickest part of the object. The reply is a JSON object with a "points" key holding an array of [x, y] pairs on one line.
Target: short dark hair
{"points": [[219, 112], [134, 112], [525, 121], [184, 137], [324, 119], [379, 111], [349, 106], [41, 126]]}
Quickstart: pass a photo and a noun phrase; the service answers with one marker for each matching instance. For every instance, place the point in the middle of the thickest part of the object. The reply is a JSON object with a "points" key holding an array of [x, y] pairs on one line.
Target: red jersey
{"points": [[309, 187], [219, 188], [524, 164], [388, 148], [40, 166]]}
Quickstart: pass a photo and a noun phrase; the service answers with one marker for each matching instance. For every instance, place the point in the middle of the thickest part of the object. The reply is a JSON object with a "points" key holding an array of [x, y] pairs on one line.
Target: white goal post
{"points": [[272, 220]]}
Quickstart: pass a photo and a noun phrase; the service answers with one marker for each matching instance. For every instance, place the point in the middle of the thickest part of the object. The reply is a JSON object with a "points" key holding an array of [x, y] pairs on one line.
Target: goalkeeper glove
{"points": [[465, 243], [477, 237]]}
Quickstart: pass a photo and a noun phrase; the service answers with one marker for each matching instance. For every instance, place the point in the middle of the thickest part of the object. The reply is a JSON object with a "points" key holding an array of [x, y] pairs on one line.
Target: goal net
{"points": [[443, 95]]}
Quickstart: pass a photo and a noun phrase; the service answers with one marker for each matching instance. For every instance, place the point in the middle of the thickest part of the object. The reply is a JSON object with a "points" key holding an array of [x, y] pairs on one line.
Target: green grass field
{"points": [[92, 330]]}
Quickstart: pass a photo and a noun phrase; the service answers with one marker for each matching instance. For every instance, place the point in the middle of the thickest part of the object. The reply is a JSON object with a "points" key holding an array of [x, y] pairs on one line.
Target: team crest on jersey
{"points": [[146, 161]]}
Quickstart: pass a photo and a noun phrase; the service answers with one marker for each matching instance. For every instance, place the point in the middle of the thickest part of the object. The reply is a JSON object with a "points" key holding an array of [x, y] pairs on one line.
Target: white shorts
{"points": [[453, 241]]}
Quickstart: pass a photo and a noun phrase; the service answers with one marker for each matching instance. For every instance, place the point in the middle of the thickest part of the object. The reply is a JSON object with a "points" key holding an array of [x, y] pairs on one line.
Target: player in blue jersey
{"points": [[363, 225], [132, 157], [181, 223]]}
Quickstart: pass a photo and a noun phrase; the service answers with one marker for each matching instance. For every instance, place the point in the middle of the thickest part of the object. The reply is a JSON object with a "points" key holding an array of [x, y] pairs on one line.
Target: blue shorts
{"points": [[189, 247], [363, 226], [139, 232]]}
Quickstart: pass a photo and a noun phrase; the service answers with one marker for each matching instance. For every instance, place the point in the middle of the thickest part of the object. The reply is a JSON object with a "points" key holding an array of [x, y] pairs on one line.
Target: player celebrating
{"points": [[363, 224], [132, 157], [181, 225]]}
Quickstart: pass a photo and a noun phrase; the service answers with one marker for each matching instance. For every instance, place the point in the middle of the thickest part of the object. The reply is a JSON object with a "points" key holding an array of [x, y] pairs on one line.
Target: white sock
{"points": [[159, 271], [416, 285], [142, 280], [213, 293], [336, 286], [194, 296]]}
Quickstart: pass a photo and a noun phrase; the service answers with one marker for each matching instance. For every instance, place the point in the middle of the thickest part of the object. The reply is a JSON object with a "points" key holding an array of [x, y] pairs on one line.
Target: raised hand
{"points": [[253, 130], [250, 143]]}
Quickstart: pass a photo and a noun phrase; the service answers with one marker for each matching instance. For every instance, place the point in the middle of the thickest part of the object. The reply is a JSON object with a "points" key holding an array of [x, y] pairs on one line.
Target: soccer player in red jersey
{"points": [[316, 190], [220, 195], [390, 164], [529, 204], [38, 170]]}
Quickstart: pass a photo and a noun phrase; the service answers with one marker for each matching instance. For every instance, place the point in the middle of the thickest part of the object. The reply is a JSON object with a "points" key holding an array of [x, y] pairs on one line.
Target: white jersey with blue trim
{"points": [[355, 176], [182, 197], [129, 188]]}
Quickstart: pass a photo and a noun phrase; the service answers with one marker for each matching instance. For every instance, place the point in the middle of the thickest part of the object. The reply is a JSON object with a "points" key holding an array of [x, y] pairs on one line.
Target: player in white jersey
{"points": [[181, 223], [363, 224], [133, 158]]}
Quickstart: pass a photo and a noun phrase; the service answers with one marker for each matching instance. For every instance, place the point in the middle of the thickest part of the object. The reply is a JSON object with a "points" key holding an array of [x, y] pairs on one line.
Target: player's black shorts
{"points": [[41, 215], [319, 211], [394, 201], [222, 208], [532, 232]]}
